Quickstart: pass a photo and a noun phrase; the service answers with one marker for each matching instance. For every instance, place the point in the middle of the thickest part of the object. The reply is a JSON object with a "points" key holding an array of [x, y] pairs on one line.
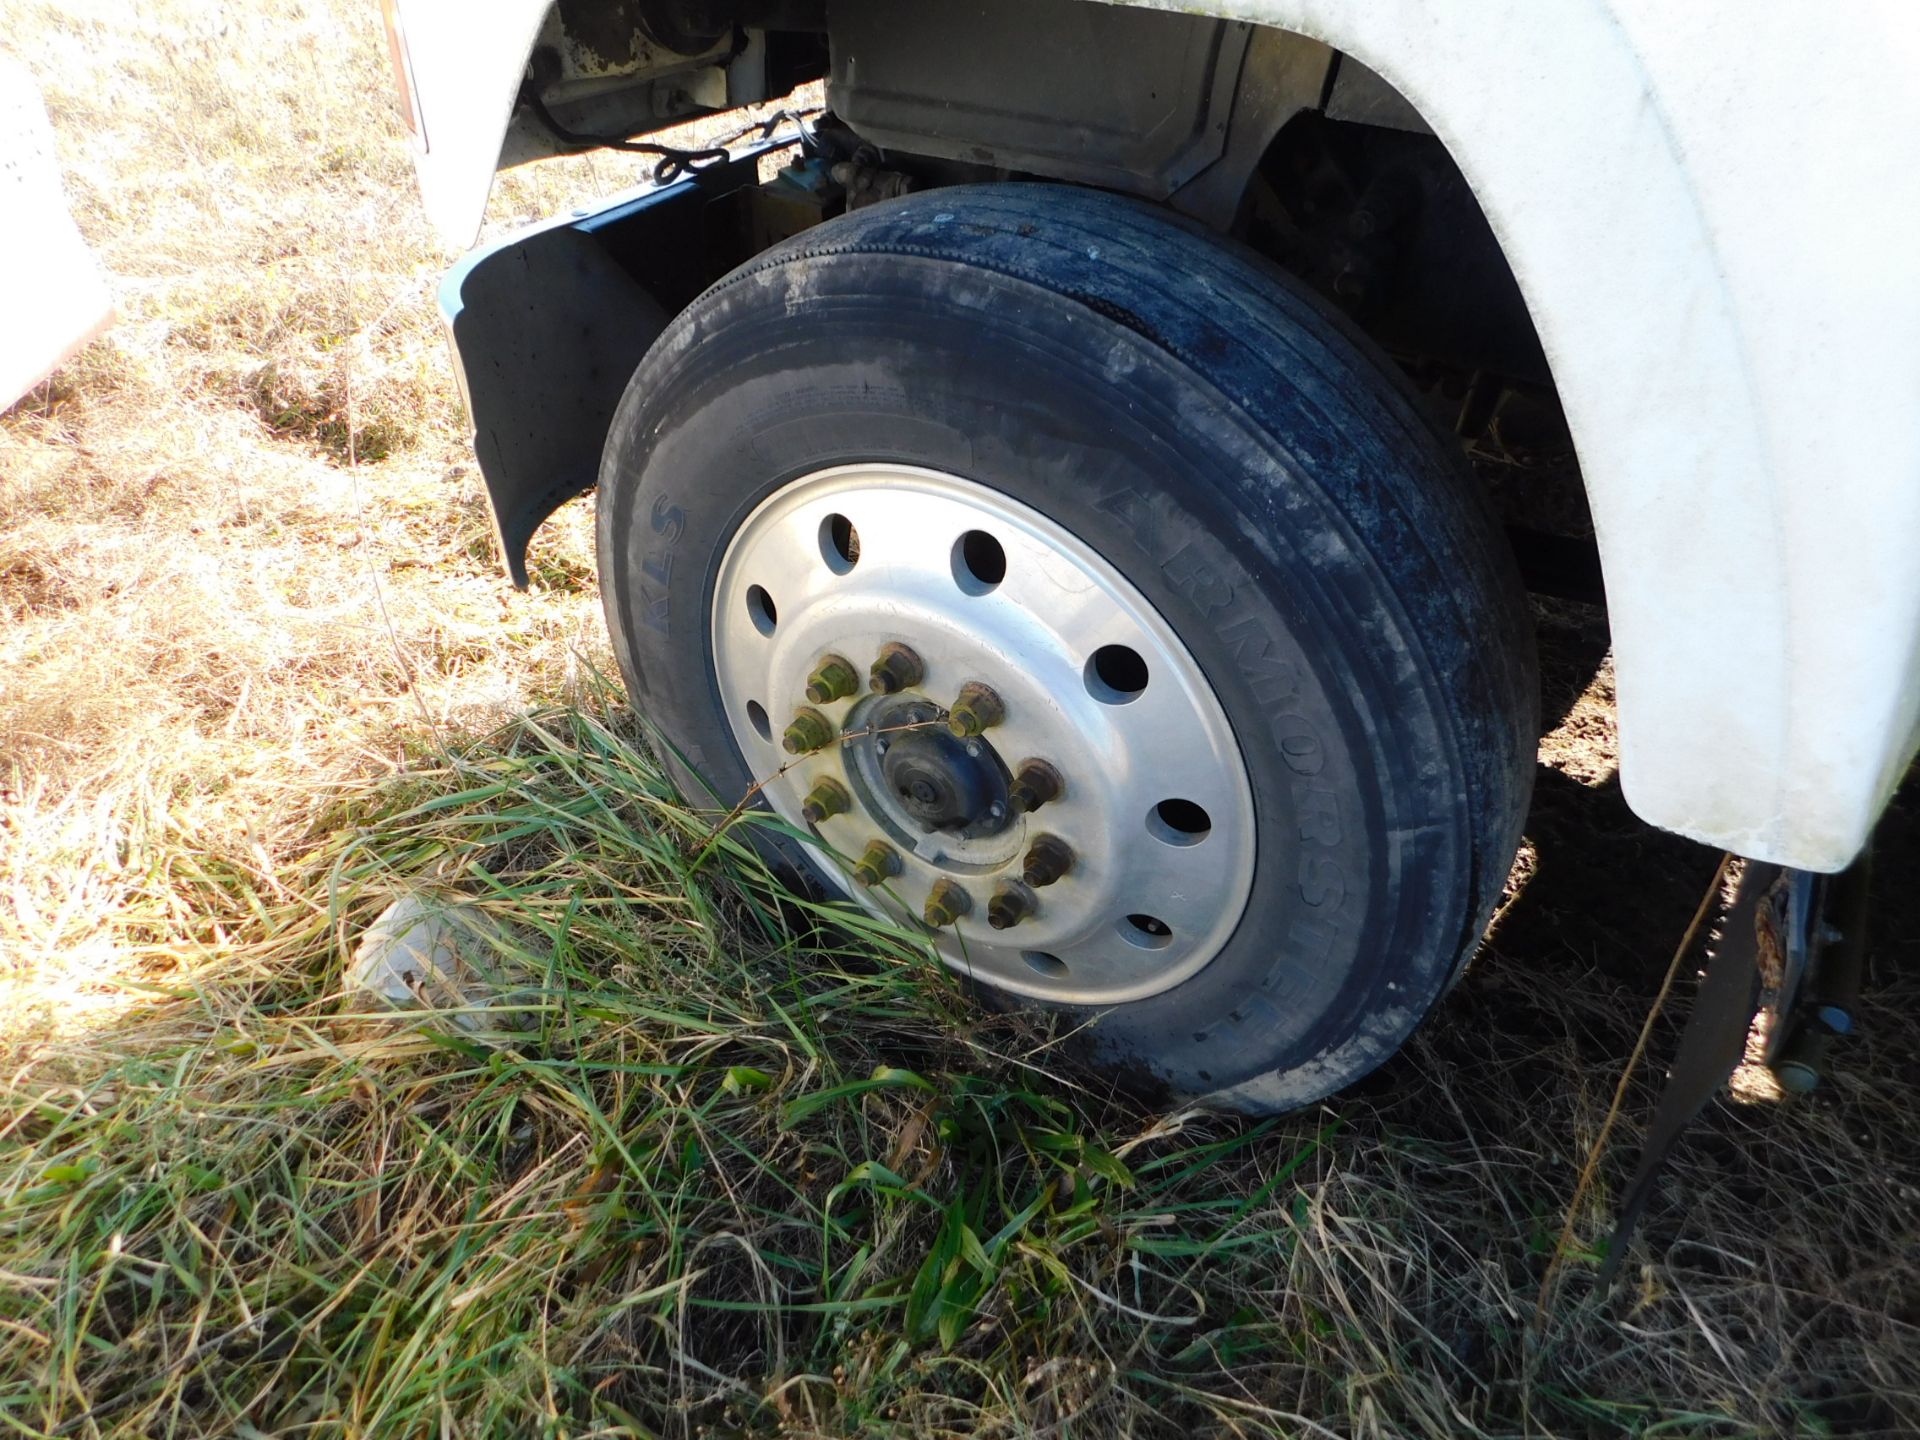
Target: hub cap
{"points": [[1154, 816]]}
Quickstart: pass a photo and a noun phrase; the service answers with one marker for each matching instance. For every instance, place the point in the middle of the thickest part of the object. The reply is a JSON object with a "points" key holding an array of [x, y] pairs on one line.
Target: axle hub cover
{"points": [[942, 786]]}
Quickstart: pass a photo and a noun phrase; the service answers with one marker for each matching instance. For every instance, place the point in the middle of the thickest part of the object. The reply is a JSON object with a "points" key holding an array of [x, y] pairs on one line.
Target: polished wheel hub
{"points": [[990, 731]]}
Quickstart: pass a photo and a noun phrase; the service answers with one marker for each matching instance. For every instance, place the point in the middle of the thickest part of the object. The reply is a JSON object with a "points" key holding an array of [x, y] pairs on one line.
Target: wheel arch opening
{"points": [[1358, 195], [1268, 135]]}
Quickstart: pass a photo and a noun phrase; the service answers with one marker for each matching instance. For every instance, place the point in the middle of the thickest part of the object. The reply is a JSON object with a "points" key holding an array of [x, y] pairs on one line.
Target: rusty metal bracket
{"points": [[1711, 1046]]}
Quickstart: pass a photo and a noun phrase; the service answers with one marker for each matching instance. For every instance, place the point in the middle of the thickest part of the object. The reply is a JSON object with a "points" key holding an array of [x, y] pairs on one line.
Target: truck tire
{"points": [[1214, 571]]}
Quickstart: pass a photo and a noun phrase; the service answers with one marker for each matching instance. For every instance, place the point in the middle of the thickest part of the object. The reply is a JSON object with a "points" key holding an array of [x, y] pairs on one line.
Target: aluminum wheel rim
{"points": [[1156, 810]]}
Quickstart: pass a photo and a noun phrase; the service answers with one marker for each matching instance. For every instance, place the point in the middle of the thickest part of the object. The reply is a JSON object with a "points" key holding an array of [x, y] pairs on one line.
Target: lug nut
{"points": [[977, 710], [1012, 902], [832, 679], [1035, 784], [897, 669], [946, 904], [807, 732], [880, 862], [829, 797], [1048, 858]]}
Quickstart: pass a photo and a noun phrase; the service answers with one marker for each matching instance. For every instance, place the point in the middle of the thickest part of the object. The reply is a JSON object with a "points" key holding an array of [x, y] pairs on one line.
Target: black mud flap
{"points": [[548, 325]]}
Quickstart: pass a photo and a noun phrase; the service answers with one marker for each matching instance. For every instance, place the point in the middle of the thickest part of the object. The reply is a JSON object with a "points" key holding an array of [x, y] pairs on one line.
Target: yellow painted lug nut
{"points": [[828, 797], [976, 711], [880, 862], [946, 904], [897, 669], [1012, 902], [807, 732], [832, 679], [1048, 858], [1036, 784]]}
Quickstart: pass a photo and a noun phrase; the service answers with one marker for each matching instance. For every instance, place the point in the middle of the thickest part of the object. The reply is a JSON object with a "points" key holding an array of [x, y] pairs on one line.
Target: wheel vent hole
{"points": [[1051, 966], [979, 562], [1149, 932], [1179, 822], [757, 713], [1116, 674], [760, 609], [839, 544]]}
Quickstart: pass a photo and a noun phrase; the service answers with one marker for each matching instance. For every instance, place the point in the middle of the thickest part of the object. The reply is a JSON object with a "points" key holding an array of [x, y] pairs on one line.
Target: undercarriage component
{"points": [[602, 72], [1822, 1008], [1381, 221], [1144, 110], [868, 184]]}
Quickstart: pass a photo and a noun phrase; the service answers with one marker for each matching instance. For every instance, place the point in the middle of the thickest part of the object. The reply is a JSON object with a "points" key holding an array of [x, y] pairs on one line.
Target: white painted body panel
{"points": [[1710, 208], [55, 294], [465, 58]]}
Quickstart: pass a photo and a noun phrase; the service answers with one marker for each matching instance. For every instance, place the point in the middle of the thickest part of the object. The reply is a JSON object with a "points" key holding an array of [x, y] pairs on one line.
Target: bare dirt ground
{"points": [[259, 672]]}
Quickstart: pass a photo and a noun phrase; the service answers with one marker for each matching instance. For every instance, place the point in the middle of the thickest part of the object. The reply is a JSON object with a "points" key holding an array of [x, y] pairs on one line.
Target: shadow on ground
{"points": [[1783, 1235]]}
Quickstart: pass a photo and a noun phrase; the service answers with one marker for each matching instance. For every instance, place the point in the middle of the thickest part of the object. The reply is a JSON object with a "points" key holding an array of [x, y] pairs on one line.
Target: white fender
{"points": [[464, 61], [57, 297]]}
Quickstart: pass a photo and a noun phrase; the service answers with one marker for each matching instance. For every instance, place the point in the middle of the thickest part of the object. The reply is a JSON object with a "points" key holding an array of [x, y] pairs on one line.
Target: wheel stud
{"points": [[880, 862], [1048, 858], [808, 731], [1012, 902], [946, 904], [977, 710], [832, 679], [897, 669], [829, 797], [1036, 784]]}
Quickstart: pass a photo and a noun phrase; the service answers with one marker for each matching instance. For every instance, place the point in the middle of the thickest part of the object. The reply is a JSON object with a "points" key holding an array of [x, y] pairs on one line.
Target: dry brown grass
{"points": [[243, 548], [252, 619]]}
